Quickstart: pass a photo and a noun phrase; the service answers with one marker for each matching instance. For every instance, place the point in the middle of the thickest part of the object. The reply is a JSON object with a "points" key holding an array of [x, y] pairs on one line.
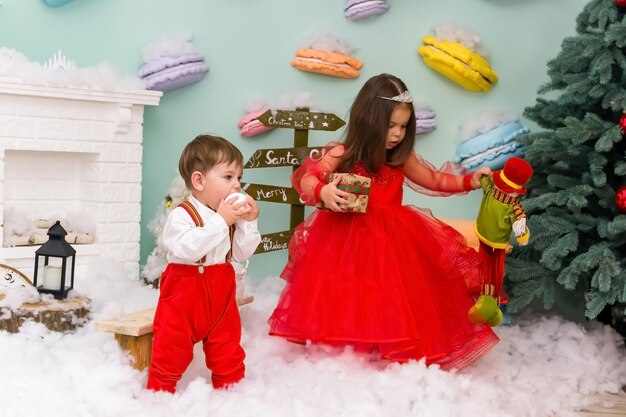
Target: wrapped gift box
{"points": [[358, 187]]}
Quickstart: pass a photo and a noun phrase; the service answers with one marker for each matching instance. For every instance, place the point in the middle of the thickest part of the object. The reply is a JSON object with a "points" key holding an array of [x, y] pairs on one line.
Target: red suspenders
{"points": [[191, 210]]}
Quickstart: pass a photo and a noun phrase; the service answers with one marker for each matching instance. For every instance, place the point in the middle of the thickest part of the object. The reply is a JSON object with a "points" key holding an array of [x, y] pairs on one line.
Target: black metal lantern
{"points": [[58, 264]]}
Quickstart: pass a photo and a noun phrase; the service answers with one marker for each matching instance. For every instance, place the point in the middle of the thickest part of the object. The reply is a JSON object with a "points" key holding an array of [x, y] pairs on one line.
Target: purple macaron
{"points": [[424, 121], [167, 73], [359, 9]]}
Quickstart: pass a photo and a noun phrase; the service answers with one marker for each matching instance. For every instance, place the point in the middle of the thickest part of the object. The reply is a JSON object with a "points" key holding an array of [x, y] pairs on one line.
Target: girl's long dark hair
{"points": [[368, 125]]}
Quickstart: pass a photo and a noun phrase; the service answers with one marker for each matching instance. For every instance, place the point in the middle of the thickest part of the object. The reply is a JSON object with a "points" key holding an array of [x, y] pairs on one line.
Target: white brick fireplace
{"points": [[73, 149]]}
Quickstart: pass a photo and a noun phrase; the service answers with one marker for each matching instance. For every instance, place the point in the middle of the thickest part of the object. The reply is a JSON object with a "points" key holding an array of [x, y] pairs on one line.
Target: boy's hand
{"points": [[475, 181], [334, 198], [231, 211], [254, 210]]}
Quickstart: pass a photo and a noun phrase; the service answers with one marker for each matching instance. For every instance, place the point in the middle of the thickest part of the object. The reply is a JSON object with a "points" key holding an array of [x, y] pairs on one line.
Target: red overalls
{"points": [[196, 303]]}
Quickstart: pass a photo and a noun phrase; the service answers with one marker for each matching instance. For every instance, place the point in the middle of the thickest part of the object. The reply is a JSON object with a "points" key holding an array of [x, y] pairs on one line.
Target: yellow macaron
{"points": [[458, 63]]}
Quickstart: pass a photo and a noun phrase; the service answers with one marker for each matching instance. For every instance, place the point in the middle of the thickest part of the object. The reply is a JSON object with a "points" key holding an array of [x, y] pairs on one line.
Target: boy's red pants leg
{"points": [[222, 352], [195, 307]]}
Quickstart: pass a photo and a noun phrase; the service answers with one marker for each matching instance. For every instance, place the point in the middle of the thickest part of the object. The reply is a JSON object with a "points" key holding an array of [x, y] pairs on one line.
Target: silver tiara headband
{"points": [[403, 97]]}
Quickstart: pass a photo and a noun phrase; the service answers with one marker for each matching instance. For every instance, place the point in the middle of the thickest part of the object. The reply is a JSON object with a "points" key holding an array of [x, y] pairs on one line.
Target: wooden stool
{"points": [[134, 334]]}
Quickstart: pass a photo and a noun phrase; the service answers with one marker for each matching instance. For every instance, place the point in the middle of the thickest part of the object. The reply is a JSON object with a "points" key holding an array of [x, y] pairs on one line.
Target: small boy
{"points": [[500, 213], [197, 289]]}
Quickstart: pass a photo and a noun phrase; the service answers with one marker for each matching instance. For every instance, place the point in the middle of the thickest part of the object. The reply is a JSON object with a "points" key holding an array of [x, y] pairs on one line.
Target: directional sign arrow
{"points": [[274, 241], [301, 120], [282, 157], [273, 193]]}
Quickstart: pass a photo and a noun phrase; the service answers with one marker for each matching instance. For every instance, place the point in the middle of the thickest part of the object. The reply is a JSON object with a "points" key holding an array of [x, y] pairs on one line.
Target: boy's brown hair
{"points": [[203, 153]]}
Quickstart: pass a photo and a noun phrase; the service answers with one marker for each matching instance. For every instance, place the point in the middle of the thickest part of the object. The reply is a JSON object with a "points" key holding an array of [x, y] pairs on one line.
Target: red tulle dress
{"points": [[391, 280]]}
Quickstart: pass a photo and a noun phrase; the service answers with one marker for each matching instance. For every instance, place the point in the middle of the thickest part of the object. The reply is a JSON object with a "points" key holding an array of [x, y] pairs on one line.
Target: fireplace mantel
{"points": [[79, 149], [18, 87]]}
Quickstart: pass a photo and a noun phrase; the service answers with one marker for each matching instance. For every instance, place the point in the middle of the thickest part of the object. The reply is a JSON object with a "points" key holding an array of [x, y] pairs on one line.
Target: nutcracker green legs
{"points": [[486, 309]]}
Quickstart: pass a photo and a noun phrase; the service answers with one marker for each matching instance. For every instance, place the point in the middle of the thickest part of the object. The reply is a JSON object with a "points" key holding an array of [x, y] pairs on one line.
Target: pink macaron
{"points": [[250, 126]]}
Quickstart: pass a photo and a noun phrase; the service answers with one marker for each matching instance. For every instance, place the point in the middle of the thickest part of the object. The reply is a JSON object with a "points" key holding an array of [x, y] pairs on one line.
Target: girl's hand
{"points": [[231, 211], [254, 210], [475, 181], [333, 197]]}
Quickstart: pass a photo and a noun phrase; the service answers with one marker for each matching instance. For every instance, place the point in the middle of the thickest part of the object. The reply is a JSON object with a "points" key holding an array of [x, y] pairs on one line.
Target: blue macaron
{"points": [[492, 148]]}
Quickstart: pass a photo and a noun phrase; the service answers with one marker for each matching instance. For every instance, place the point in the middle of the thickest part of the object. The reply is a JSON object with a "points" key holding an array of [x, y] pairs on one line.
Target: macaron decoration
{"points": [[172, 63], [327, 56], [168, 73], [56, 3], [424, 119], [451, 55], [490, 141], [250, 126], [360, 9]]}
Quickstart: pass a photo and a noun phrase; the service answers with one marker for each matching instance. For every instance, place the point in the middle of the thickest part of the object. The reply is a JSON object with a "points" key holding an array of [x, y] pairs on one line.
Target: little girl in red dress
{"points": [[394, 279]]}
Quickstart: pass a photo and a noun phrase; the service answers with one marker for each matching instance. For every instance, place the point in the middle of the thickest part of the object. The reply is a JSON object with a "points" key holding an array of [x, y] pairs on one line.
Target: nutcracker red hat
{"points": [[514, 176]]}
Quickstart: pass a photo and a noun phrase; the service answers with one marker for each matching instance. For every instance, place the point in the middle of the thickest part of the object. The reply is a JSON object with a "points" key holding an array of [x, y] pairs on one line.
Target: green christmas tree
{"points": [[577, 249]]}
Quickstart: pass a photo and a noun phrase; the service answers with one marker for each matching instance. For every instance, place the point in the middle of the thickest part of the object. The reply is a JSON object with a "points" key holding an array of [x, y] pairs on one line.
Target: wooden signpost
{"points": [[301, 120], [282, 157]]}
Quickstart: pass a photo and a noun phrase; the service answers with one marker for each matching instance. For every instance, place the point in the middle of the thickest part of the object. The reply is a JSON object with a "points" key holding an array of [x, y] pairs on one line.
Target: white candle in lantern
{"points": [[52, 277]]}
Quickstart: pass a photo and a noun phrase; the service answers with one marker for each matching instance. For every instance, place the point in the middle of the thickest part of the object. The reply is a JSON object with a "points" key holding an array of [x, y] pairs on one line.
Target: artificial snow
{"points": [[255, 104], [453, 32], [543, 366], [104, 76], [296, 100], [15, 223], [328, 43], [484, 122], [169, 45]]}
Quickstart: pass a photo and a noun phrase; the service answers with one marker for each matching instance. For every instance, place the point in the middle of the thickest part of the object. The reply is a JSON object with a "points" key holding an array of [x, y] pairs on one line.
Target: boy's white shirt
{"points": [[186, 244]]}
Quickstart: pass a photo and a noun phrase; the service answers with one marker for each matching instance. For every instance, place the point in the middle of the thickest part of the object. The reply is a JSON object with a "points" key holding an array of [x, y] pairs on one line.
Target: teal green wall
{"points": [[248, 45]]}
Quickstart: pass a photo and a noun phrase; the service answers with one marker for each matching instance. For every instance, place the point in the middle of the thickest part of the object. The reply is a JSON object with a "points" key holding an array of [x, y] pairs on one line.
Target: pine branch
{"points": [[523, 294], [590, 127], [620, 168], [582, 265], [616, 34], [579, 160], [561, 181], [520, 271], [597, 163], [577, 197], [557, 225], [601, 67], [553, 256], [548, 292], [606, 142], [614, 95], [540, 202], [598, 91], [549, 114], [599, 13], [608, 267], [603, 228], [520, 301], [605, 199], [598, 301], [617, 226], [621, 281]]}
